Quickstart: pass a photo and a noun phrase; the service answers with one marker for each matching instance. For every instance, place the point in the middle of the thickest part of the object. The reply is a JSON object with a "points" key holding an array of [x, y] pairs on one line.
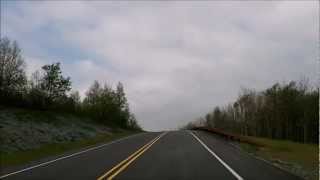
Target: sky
{"points": [[177, 60]]}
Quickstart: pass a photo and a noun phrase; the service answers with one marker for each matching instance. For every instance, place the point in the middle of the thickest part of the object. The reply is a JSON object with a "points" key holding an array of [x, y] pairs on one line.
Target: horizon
{"points": [[176, 64]]}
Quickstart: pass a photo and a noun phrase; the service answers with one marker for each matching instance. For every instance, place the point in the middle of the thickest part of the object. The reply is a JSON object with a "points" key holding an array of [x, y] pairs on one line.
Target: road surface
{"points": [[154, 155]]}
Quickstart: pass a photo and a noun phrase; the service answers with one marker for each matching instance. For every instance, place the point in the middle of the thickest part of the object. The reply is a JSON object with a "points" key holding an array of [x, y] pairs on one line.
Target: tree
{"points": [[92, 100], [12, 73], [47, 89], [120, 96], [53, 84], [284, 111], [35, 97], [209, 120], [93, 94], [217, 121], [122, 104], [76, 101], [75, 96], [109, 106], [133, 124]]}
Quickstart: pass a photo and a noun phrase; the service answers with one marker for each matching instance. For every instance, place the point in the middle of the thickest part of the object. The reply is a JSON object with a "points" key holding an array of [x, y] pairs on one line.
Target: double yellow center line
{"points": [[125, 163]]}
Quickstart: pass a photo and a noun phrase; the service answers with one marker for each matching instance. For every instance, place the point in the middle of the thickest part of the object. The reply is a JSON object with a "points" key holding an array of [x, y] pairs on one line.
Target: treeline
{"points": [[48, 89], [288, 111]]}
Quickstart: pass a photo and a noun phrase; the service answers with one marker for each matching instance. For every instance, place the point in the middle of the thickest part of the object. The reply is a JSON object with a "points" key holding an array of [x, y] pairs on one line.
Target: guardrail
{"points": [[229, 136]]}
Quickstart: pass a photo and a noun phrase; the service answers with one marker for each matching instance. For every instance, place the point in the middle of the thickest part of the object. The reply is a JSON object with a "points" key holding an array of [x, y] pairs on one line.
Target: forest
{"points": [[48, 89], [287, 111]]}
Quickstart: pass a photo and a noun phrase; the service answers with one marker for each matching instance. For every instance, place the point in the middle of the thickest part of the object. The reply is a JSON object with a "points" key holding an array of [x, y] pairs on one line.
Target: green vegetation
{"points": [[49, 90], [42, 115], [281, 117], [289, 155], [21, 157], [287, 111]]}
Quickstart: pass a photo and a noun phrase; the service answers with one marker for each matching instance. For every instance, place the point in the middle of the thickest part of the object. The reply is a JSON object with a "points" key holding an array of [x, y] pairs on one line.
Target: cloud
{"points": [[177, 60]]}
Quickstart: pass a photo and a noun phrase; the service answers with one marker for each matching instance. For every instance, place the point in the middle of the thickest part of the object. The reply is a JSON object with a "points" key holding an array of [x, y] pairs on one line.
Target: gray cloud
{"points": [[177, 60]]}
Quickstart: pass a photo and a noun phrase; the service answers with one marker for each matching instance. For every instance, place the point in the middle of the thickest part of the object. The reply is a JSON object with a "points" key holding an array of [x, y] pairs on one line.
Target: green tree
{"points": [[93, 94], [123, 106], [91, 102], [53, 84], [284, 111]]}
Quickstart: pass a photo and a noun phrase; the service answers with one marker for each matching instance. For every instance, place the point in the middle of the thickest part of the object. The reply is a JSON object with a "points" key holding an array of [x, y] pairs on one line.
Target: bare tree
{"points": [[12, 74]]}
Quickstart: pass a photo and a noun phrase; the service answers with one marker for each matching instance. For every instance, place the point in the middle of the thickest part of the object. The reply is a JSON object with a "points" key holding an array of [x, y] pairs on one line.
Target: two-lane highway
{"points": [[167, 155]]}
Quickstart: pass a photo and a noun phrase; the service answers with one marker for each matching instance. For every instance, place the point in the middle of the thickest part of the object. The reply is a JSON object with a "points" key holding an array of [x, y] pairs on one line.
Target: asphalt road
{"points": [[167, 155]]}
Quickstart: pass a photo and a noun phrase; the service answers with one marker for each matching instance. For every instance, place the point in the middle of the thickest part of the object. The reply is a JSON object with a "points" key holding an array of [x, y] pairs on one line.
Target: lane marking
{"points": [[128, 163], [65, 157], [128, 158], [218, 158], [123, 164]]}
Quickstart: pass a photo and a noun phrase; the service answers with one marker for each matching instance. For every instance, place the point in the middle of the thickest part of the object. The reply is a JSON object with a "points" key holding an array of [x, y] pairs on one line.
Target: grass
{"points": [[23, 157], [304, 155]]}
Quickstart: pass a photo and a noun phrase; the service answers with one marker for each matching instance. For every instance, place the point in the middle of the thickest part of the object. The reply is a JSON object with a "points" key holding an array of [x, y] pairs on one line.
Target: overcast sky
{"points": [[177, 60]]}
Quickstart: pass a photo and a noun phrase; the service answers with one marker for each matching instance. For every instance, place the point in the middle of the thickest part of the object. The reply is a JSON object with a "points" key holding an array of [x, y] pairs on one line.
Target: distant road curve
{"points": [[154, 155]]}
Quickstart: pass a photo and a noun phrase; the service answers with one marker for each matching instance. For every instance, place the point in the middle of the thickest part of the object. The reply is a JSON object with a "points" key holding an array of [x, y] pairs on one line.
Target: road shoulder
{"points": [[62, 150], [245, 165]]}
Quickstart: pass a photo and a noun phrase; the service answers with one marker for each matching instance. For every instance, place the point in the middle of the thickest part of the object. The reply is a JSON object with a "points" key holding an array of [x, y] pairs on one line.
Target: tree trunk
{"points": [[305, 133]]}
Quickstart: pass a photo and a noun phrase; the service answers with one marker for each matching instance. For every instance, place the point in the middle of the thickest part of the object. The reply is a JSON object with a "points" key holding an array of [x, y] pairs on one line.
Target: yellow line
{"points": [[128, 158], [134, 158], [122, 162]]}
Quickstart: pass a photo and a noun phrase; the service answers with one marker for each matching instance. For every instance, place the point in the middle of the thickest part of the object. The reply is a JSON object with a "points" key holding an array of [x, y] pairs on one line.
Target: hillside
{"points": [[24, 132]]}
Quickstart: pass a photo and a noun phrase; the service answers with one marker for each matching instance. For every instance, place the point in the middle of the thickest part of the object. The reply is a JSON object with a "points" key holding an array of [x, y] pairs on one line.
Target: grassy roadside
{"points": [[18, 158], [300, 159]]}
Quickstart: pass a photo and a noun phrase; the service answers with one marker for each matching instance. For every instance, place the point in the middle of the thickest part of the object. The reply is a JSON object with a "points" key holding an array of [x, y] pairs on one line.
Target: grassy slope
{"points": [[61, 122], [288, 155], [22, 157]]}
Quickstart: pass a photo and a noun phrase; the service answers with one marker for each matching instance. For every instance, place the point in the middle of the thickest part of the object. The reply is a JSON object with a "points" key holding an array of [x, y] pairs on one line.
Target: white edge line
{"points": [[64, 157], [218, 158]]}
